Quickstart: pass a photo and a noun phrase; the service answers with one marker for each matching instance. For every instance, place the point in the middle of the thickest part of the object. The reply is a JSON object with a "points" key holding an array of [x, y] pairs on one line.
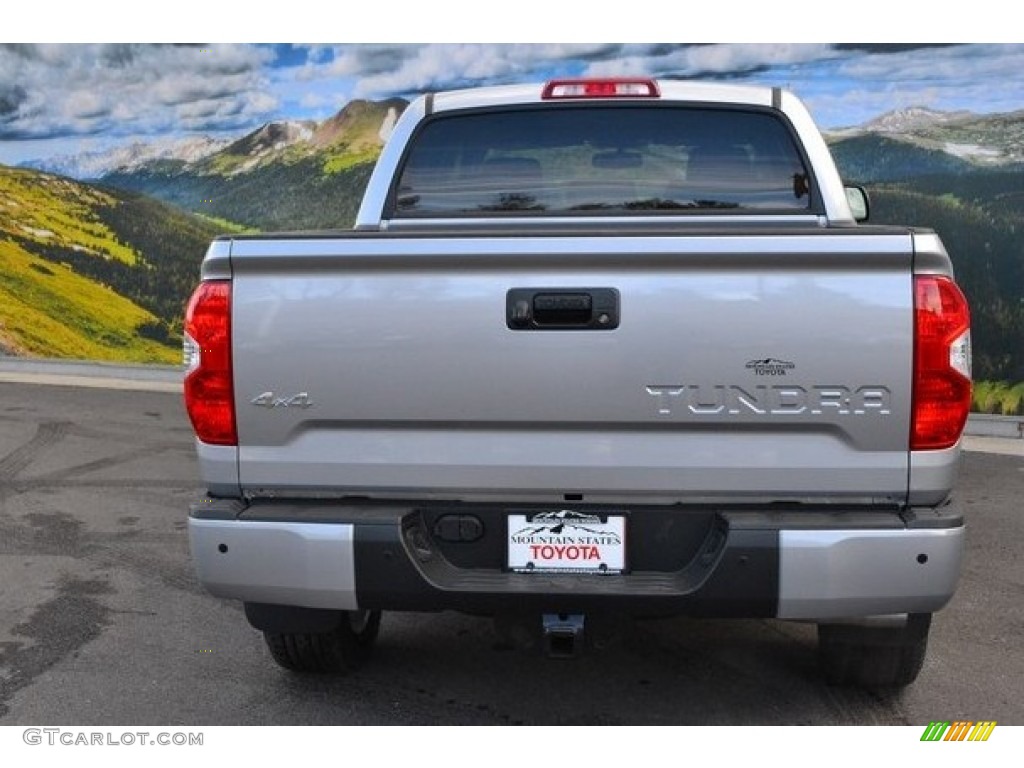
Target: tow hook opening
{"points": [[563, 634]]}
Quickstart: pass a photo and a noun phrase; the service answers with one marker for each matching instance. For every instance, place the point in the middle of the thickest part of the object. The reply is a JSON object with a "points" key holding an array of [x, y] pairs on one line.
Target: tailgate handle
{"points": [[575, 309], [562, 308]]}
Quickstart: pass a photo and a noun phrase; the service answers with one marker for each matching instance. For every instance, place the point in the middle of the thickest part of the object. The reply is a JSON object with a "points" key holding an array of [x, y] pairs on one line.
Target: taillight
{"points": [[942, 363], [209, 399], [615, 87]]}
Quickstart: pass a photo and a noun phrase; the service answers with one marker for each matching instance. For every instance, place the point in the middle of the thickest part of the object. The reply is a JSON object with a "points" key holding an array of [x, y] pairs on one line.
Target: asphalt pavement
{"points": [[103, 623]]}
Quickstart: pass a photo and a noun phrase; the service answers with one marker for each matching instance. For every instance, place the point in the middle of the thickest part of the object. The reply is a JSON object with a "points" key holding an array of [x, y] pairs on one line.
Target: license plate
{"points": [[566, 541]]}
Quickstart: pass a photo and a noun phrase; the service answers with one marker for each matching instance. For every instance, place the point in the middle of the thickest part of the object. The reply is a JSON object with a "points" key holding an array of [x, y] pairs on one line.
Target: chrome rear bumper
{"points": [[759, 565]]}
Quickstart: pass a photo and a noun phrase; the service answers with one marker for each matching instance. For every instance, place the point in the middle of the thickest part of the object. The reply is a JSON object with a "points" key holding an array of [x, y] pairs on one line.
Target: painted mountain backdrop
{"points": [[129, 261], [285, 175]]}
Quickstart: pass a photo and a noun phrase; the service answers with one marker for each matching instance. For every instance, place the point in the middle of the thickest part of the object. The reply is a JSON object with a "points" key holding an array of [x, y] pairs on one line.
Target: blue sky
{"points": [[60, 99]]}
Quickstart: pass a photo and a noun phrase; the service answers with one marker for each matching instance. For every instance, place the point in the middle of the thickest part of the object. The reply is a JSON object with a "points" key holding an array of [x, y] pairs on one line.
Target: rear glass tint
{"points": [[597, 160]]}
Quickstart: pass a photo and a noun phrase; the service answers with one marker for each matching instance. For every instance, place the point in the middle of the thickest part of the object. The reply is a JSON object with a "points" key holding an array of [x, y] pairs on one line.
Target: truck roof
{"points": [[676, 90]]}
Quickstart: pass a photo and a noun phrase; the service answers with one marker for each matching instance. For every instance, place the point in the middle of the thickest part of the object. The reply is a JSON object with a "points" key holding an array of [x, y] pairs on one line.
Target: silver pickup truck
{"points": [[595, 350]]}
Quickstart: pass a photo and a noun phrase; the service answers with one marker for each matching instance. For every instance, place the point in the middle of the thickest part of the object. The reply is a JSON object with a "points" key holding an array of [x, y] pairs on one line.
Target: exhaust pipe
{"points": [[563, 634]]}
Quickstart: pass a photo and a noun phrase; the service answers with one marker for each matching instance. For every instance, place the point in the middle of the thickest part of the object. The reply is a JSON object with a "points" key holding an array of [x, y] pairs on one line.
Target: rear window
{"points": [[597, 160]]}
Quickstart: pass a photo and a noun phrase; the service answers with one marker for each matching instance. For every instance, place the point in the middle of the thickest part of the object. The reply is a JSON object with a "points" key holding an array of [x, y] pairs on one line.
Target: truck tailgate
{"points": [[742, 367]]}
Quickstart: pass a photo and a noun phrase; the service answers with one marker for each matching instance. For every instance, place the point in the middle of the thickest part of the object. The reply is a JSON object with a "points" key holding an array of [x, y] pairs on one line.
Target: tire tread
{"points": [[339, 651], [873, 657]]}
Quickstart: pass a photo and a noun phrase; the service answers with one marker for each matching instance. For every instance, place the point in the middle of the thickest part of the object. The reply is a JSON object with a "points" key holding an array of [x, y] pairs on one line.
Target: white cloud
{"points": [[724, 58], [85, 105], [381, 70], [52, 90], [969, 63], [980, 78]]}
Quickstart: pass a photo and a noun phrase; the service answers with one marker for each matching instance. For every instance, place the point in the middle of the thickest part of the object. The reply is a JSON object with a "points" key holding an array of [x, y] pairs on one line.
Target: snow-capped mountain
{"points": [[128, 157], [912, 119], [940, 141], [272, 137]]}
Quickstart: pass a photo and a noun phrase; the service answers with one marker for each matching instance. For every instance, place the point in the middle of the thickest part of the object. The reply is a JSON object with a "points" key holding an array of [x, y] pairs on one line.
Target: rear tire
{"points": [[873, 657], [339, 651]]}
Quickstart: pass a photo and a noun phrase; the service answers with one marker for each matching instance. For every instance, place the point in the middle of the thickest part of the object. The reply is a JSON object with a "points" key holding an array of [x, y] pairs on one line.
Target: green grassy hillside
{"points": [[280, 176], [879, 158], [93, 273], [292, 194]]}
